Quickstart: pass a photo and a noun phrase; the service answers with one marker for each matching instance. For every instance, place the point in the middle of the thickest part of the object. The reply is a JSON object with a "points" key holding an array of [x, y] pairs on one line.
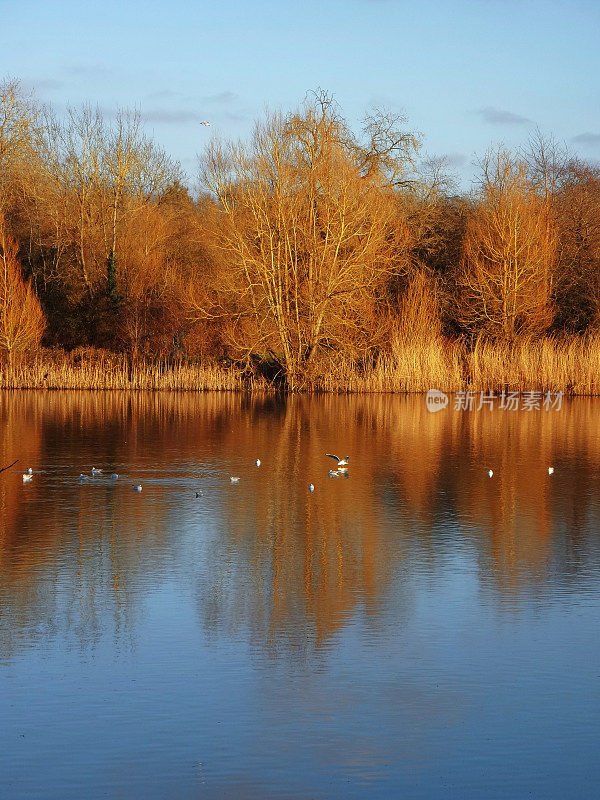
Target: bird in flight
{"points": [[341, 462], [204, 122]]}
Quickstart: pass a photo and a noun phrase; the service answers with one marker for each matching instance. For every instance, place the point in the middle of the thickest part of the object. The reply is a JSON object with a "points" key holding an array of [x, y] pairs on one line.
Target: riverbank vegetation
{"points": [[310, 258]]}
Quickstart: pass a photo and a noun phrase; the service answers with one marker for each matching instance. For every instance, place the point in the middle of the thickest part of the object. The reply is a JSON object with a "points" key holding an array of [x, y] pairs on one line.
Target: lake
{"points": [[413, 628]]}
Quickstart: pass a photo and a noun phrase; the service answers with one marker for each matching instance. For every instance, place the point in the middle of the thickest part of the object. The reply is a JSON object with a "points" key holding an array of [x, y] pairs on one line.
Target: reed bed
{"points": [[108, 372], [570, 365], [411, 365]]}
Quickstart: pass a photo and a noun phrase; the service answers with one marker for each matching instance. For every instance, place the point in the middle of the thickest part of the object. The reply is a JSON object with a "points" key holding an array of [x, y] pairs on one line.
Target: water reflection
{"points": [[266, 555], [371, 633]]}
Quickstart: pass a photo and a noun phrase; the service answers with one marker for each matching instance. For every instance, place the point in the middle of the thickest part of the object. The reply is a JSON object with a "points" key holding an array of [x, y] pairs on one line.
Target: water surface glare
{"points": [[412, 628]]}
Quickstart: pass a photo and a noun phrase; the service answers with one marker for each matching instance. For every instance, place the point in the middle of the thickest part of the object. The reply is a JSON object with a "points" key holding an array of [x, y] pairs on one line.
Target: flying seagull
{"points": [[341, 462]]}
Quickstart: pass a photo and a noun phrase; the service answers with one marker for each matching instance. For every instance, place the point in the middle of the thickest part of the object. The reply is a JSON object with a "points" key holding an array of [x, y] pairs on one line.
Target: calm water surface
{"points": [[415, 630]]}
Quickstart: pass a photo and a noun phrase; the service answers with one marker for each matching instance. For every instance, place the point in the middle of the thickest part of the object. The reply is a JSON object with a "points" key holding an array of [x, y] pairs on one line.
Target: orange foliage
{"points": [[21, 315]]}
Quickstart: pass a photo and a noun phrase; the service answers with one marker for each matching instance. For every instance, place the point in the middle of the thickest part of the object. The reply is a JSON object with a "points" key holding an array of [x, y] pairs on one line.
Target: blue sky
{"points": [[466, 73]]}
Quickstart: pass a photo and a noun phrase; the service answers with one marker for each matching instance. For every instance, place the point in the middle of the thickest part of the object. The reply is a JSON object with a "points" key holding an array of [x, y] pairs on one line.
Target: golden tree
{"points": [[21, 315], [509, 254], [308, 233], [577, 205]]}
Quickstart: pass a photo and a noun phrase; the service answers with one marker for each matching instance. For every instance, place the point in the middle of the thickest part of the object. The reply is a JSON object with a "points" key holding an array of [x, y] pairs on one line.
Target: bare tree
{"points": [[546, 160], [509, 254], [310, 236], [95, 177], [577, 211], [73, 161], [18, 116], [133, 167]]}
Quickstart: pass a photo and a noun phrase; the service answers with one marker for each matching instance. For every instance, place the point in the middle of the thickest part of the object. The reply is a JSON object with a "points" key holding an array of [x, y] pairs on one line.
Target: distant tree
{"points": [[21, 315], [95, 176], [577, 211], [18, 121], [509, 255], [547, 162], [73, 161]]}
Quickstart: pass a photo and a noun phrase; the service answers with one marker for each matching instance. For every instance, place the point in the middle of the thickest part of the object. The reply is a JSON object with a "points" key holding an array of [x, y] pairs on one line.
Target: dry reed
{"points": [[100, 371], [412, 364], [416, 364]]}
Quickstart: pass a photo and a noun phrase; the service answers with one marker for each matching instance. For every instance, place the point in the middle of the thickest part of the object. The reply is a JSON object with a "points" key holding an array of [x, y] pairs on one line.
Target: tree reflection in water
{"points": [[266, 556]]}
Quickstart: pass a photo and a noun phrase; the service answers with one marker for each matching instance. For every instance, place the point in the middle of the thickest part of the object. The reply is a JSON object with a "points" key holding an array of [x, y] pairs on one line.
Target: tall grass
{"points": [[570, 365], [98, 370], [411, 364]]}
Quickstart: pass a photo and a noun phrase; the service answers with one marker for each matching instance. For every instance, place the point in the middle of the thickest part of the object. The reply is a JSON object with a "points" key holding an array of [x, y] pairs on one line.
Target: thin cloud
{"points": [[179, 116], [221, 98], [498, 116], [168, 107], [90, 70], [587, 139], [182, 116]]}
